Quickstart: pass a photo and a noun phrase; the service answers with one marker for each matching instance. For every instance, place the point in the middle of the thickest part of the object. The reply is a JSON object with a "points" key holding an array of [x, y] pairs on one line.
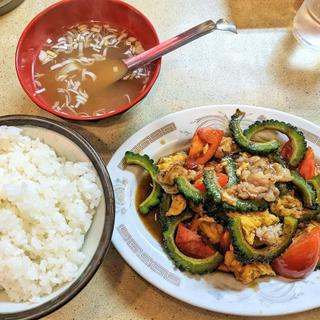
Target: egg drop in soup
{"points": [[76, 72]]}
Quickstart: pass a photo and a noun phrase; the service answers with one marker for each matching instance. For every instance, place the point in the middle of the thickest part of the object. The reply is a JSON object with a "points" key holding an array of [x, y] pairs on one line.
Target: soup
{"points": [[71, 70]]}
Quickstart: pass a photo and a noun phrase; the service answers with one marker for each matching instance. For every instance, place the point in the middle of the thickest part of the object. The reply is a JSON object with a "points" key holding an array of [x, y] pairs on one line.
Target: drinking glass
{"points": [[306, 24]]}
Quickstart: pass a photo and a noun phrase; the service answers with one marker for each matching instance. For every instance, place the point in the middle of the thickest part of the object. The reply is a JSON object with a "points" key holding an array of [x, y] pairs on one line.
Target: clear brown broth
{"points": [[102, 98]]}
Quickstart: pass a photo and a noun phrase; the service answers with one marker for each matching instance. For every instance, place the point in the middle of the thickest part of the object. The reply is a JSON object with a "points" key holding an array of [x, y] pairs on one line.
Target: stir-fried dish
{"points": [[237, 204]]}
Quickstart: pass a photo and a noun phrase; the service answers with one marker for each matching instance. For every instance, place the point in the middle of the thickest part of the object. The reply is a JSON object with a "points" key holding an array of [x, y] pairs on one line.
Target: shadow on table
{"points": [[146, 303], [122, 279], [295, 67], [143, 303], [112, 127], [252, 14]]}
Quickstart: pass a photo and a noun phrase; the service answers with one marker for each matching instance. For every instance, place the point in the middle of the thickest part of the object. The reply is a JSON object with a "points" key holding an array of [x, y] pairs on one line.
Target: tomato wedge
{"points": [[205, 137], [301, 257], [191, 244], [209, 135], [194, 225], [196, 147], [223, 179], [286, 150], [307, 167], [200, 185]]}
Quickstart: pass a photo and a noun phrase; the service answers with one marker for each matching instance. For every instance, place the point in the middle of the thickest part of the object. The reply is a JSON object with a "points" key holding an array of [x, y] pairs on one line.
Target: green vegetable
{"points": [[247, 254], [145, 162], [243, 140], [306, 191], [211, 208], [296, 137], [283, 188], [231, 170], [214, 191], [165, 204], [183, 262], [305, 215], [246, 205], [215, 203], [288, 205], [315, 181], [212, 185], [188, 190], [276, 157]]}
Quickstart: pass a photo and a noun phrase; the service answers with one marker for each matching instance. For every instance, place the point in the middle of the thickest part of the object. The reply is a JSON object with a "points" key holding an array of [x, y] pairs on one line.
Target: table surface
{"points": [[263, 66]]}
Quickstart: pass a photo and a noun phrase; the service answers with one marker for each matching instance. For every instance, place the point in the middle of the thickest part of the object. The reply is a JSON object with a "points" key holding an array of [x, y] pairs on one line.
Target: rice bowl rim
{"points": [[105, 240]]}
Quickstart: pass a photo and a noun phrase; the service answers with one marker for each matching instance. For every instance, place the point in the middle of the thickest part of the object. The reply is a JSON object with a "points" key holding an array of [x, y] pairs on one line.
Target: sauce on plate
{"points": [[150, 219]]}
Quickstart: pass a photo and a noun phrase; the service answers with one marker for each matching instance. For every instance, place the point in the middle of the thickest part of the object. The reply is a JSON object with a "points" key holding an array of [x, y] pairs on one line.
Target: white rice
{"points": [[46, 208]]}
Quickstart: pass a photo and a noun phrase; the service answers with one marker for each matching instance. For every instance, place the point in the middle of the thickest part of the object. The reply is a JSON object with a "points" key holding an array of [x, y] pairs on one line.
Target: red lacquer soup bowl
{"points": [[71, 12]]}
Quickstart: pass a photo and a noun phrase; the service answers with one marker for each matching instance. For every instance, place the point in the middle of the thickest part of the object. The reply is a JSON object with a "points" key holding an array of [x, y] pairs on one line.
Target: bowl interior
{"points": [[68, 149], [70, 12]]}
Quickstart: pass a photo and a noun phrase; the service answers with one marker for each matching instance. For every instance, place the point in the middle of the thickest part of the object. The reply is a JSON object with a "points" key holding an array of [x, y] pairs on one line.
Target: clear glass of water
{"points": [[306, 24]]}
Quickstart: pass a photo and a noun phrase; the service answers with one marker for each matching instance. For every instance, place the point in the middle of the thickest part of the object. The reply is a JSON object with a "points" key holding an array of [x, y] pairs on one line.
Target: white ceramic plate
{"points": [[217, 291]]}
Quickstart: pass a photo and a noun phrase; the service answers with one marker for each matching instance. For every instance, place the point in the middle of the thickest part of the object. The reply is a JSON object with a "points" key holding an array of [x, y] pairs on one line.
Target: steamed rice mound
{"points": [[46, 208]]}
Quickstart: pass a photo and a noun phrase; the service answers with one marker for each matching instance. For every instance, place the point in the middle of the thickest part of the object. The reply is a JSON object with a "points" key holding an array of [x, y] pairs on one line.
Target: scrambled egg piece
{"points": [[254, 220], [166, 163], [210, 229], [226, 147], [243, 166], [245, 273], [288, 205], [178, 204]]}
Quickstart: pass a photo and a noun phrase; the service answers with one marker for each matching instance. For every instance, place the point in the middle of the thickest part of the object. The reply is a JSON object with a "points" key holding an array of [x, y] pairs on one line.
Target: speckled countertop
{"points": [[262, 65]]}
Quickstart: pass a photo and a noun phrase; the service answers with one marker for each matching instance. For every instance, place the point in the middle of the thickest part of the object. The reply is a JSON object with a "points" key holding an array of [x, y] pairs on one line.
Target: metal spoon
{"points": [[114, 70], [178, 41]]}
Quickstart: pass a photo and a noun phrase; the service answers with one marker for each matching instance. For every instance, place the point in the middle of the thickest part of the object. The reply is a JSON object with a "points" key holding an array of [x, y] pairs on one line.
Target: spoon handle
{"points": [[176, 42]]}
